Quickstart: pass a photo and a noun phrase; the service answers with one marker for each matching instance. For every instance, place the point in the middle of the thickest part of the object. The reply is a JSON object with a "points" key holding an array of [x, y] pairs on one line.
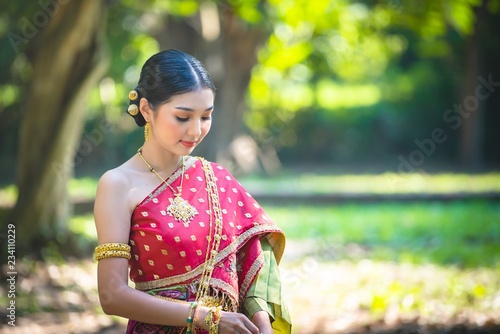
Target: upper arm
{"points": [[112, 219], [111, 209]]}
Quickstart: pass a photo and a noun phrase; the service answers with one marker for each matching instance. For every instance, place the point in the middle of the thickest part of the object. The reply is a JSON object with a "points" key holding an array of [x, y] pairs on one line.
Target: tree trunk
{"points": [[239, 56], [471, 129], [229, 59], [67, 58]]}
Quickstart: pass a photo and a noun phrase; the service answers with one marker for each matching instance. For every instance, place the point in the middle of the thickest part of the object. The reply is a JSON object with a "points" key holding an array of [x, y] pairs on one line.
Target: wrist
{"points": [[211, 319], [190, 322], [201, 313], [262, 320]]}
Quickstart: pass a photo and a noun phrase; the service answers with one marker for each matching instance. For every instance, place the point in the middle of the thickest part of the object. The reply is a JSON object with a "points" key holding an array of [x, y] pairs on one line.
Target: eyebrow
{"points": [[189, 109]]}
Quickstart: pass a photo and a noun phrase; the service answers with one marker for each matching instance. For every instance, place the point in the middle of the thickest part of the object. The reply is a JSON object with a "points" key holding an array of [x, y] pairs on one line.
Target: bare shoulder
{"points": [[116, 179], [115, 186], [112, 207]]}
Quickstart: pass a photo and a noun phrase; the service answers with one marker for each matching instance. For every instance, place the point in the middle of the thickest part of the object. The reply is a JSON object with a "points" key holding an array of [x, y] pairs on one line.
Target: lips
{"points": [[188, 143]]}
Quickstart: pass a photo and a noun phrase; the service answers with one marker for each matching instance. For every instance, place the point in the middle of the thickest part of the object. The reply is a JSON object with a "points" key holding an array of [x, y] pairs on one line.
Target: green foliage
{"points": [[179, 7], [84, 227], [362, 76], [316, 58], [251, 11]]}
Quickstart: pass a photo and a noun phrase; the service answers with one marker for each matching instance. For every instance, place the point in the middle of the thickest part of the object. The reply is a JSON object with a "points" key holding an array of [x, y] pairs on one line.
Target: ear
{"points": [[145, 109]]}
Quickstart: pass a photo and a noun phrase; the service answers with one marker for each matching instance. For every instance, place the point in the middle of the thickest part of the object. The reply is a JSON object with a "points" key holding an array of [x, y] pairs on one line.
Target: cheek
{"points": [[206, 127], [174, 126]]}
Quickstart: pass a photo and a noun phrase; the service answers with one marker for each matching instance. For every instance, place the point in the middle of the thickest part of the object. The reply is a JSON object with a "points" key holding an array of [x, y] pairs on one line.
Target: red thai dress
{"points": [[169, 256]]}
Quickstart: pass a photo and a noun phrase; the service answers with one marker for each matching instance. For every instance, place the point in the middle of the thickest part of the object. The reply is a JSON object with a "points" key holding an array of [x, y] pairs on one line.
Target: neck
{"points": [[164, 162]]}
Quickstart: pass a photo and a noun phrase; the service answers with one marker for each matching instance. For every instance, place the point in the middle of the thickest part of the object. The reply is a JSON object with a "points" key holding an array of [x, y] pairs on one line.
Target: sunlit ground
{"points": [[357, 265]]}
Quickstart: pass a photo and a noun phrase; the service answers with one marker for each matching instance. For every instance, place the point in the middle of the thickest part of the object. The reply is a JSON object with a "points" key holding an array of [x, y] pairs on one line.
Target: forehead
{"points": [[196, 100]]}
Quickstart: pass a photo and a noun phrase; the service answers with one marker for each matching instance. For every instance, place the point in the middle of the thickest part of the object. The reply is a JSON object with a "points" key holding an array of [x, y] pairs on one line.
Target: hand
{"points": [[230, 323], [263, 322], [236, 323]]}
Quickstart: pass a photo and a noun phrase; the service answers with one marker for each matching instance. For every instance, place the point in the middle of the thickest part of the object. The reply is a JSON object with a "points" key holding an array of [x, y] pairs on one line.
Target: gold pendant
{"points": [[180, 209]]}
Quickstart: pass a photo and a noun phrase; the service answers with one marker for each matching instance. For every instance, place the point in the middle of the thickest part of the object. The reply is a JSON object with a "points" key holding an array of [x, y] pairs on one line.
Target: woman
{"points": [[202, 253]]}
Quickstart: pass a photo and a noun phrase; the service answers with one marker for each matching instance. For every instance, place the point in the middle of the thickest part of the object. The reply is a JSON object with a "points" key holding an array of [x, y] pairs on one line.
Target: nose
{"points": [[194, 129]]}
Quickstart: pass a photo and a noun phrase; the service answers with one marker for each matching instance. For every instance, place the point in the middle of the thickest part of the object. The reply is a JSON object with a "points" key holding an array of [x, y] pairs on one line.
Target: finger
{"points": [[251, 327]]}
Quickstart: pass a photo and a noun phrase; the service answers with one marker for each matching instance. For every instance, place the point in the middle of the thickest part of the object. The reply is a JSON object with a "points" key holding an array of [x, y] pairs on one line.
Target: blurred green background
{"points": [[367, 129]]}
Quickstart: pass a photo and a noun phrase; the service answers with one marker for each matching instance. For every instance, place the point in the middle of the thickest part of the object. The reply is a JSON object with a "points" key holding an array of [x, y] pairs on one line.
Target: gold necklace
{"points": [[179, 208]]}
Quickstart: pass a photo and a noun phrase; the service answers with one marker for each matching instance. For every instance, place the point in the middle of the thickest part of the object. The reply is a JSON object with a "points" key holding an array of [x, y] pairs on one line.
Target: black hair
{"points": [[169, 73]]}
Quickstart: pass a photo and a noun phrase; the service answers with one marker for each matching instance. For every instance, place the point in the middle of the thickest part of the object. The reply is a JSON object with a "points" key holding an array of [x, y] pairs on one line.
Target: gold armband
{"points": [[113, 249]]}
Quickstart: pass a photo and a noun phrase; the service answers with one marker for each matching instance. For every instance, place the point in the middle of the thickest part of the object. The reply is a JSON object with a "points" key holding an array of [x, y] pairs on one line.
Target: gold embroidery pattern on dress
{"points": [[231, 248], [252, 272]]}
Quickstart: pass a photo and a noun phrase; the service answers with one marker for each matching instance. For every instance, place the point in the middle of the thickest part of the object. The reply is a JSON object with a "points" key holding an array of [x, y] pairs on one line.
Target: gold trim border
{"points": [[231, 248]]}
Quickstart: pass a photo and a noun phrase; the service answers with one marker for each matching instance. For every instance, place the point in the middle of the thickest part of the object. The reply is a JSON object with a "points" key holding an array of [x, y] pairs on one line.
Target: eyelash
{"points": [[181, 119]]}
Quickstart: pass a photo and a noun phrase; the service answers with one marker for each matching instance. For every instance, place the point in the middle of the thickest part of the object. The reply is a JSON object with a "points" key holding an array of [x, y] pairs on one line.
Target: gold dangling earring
{"points": [[147, 130]]}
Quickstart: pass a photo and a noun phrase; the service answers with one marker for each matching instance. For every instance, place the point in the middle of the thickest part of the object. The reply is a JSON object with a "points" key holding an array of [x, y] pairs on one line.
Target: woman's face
{"points": [[180, 124]]}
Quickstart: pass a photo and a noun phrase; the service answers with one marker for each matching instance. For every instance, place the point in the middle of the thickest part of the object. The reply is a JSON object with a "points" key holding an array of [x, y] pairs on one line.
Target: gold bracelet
{"points": [[190, 323], [196, 313], [113, 246], [113, 249], [212, 319]]}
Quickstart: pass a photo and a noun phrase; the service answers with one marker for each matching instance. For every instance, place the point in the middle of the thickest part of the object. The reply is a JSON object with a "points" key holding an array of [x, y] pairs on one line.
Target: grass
{"points": [[459, 233], [386, 183]]}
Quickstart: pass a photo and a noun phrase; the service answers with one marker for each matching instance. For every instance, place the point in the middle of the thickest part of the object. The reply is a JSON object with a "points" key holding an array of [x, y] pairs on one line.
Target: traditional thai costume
{"points": [[229, 236]]}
